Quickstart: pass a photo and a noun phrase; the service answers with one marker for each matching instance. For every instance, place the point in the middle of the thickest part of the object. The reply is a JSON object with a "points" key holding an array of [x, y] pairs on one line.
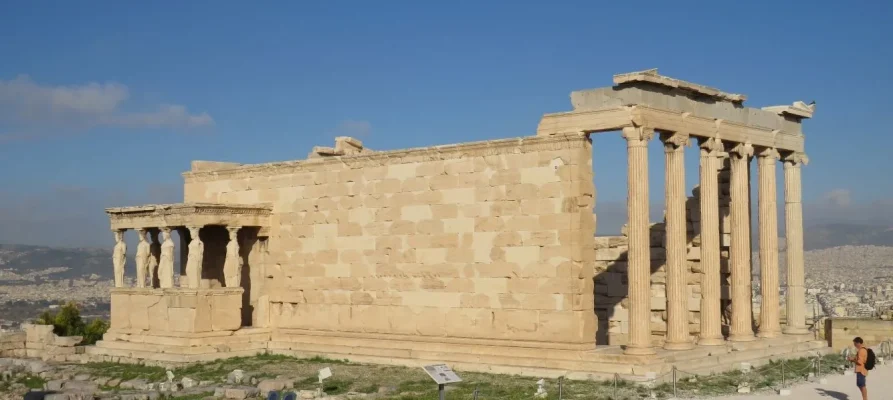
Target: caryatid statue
{"points": [[142, 258], [119, 257], [194, 264], [232, 266], [154, 258], [166, 260]]}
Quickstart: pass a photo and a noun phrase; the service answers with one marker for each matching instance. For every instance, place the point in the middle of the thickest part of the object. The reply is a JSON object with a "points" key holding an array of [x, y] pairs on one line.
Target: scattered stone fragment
{"points": [[101, 381], [206, 383], [237, 376], [82, 377], [188, 382], [113, 382]]}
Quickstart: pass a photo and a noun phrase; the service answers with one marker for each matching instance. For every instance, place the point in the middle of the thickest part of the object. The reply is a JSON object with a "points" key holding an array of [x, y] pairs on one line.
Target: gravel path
{"points": [[839, 387]]}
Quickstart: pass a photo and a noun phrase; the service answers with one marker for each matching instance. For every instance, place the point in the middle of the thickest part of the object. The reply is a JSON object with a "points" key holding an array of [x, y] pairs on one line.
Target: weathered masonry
{"points": [[483, 255]]}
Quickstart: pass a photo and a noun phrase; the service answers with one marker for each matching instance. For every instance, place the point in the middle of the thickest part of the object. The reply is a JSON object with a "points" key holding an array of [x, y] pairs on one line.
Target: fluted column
{"points": [[677, 266], [711, 317], [741, 326], [639, 254], [793, 210], [769, 325]]}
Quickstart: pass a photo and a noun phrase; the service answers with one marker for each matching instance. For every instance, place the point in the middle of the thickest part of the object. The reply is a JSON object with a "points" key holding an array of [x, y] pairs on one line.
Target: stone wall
{"points": [[39, 341], [611, 303], [487, 240], [840, 332]]}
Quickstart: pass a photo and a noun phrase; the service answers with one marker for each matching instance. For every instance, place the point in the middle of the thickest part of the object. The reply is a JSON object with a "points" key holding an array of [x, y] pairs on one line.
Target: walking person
{"points": [[863, 364]]}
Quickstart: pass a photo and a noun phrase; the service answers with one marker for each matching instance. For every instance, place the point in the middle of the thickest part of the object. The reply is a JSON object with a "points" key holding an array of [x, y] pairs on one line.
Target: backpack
{"points": [[869, 362]]}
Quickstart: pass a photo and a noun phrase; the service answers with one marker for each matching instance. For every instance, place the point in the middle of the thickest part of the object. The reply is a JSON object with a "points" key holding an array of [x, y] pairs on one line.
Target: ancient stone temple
{"points": [[483, 255]]}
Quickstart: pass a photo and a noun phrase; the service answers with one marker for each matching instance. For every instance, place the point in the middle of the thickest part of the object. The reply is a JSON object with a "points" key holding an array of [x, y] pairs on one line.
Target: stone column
{"points": [[678, 337], [741, 326], [196, 256], [711, 317], [769, 325], [119, 257], [639, 254], [793, 210]]}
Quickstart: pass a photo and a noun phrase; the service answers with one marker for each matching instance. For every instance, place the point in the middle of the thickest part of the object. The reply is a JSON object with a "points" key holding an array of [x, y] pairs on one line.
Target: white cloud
{"points": [[838, 197], [354, 128], [35, 107]]}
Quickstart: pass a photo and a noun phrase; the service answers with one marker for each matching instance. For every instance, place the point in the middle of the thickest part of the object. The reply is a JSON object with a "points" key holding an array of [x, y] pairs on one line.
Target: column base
{"points": [[768, 334], [678, 346], [714, 341], [742, 338], [796, 331], [639, 351]]}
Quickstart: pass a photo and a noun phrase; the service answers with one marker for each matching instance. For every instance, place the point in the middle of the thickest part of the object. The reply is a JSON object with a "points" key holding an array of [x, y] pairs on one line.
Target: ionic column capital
{"points": [[634, 134], [795, 159], [713, 146], [742, 150], [674, 140], [770, 153]]}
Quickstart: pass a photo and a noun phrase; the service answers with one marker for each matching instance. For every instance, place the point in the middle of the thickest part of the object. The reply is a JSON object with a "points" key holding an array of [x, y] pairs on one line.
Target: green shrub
{"points": [[68, 322]]}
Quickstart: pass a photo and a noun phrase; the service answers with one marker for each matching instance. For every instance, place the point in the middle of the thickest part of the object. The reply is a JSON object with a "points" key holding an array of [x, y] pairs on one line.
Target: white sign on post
{"points": [[442, 374], [324, 373]]}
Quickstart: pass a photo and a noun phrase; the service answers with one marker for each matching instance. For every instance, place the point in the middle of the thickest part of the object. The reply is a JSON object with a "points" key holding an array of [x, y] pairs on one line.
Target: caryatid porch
{"points": [[207, 293], [645, 105]]}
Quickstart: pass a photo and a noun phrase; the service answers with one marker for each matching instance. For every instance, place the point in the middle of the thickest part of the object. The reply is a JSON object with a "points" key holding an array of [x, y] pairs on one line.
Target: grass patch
{"points": [[32, 381], [126, 372]]}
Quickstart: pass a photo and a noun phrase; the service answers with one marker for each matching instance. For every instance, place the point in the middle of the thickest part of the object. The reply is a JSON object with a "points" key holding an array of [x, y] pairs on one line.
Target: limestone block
{"points": [[658, 303], [120, 311], [181, 319], [611, 254], [42, 334]]}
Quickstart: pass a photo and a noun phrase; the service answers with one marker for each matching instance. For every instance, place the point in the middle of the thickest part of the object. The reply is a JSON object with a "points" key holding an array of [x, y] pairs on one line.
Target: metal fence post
{"points": [[782, 373], [674, 381], [615, 386], [560, 386]]}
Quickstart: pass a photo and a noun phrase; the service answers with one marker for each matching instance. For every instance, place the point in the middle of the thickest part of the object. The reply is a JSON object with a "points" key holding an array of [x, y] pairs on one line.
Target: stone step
{"points": [[401, 348], [729, 360], [136, 356], [454, 356], [459, 366], [185, 350]]}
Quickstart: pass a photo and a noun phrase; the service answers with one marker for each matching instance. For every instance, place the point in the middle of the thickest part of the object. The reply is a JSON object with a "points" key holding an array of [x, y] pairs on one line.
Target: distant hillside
{"points": [[833, 235], [79, 261]]}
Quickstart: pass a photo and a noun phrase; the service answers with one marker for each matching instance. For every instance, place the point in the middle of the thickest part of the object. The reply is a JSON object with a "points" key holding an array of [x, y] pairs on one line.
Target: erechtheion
{"points": [[484, 255]]}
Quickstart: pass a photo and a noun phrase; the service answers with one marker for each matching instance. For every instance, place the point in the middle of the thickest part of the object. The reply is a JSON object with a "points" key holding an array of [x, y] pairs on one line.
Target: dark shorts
{"points": [[860, 380]]}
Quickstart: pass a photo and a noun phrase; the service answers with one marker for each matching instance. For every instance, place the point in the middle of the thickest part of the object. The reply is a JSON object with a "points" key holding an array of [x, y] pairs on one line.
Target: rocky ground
{"points": [[255, 377]]}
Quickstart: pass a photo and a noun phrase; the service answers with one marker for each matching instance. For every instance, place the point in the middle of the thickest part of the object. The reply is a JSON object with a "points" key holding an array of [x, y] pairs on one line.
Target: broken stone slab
{"points": [[269, 385], [113, 382], [187, 383], [67, 341], [240, 392], [135, 384], [140, 396], [54, 385]]}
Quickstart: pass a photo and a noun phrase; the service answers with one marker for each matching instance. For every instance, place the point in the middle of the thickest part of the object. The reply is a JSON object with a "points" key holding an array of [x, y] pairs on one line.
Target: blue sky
{"points": [[147, 87]]}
